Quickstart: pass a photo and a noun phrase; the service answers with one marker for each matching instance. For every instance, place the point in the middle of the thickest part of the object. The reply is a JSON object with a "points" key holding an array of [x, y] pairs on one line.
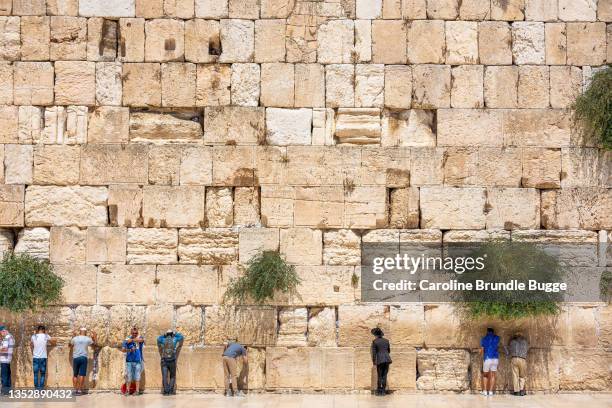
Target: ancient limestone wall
{"points": [[151, 147]]}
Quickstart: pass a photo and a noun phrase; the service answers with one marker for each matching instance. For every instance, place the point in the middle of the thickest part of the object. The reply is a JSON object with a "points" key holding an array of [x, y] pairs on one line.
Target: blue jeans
{"points": [[5, 374], [40, 369]]}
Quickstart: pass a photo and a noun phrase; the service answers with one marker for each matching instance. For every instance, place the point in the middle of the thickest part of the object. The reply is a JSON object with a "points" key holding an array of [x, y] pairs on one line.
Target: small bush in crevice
{"points": [[28, 283], [266, 274], [593, 109]]}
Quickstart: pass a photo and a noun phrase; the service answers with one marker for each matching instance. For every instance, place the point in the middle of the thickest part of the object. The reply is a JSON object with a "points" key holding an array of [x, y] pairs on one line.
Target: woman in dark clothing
{"points": [[381, 358]]}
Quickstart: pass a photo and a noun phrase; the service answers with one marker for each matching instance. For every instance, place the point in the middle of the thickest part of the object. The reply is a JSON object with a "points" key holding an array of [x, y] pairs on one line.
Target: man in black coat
{"points": [[381, 358]]}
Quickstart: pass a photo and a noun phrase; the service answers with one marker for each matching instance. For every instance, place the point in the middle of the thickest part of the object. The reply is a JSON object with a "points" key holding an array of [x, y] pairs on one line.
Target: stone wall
{"points": [[151, 147]]}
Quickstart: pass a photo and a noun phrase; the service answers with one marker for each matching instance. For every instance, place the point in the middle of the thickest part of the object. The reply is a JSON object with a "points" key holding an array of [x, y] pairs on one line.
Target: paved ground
{"points": [[108, 400]]}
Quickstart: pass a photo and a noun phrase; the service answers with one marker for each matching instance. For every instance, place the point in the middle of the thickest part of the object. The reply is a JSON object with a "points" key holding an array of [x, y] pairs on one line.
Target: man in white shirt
{"points": [[7, 345], [39, 343]]}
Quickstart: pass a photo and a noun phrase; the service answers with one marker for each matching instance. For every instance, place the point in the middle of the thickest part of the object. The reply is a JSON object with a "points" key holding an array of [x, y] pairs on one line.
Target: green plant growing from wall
{"points": [[593, 109], [506, 261], [28, 283], [267, 274]]}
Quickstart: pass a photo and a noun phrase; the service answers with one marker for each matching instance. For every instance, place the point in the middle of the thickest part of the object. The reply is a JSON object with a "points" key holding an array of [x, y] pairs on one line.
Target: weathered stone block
{"points": [[165, 40], [238, 125], [398, 86], [388, 42], [132, 39], [249, 325], [18, 163], [341, 247], [494, 43], [431, 86], [319, 206], [75, 82], [277, 85], [452, 208], [246, 206], [187, 284], [533, 86], [536, 127], [219, 207], [366, 207], [276, 8], [541, 168], [309, 85], [66, 206], [430, 51], [355, 323], [461, 42], [212, 9], [62, 7], [202, 40], [292, 326], [579, 10], [443, 369], [339, 85], [211, 246], [511, 10], [584, 370], [68, 38], [108, 164], [12, 205], [245, 84], [586, 43], [213, 85], [467, 86], [125, 205], [112, 288], [369, 85], [463, 127], [288, 126], [293, 367], [234, 166], [238, 41], [565, 86], [102, 36], [113, 8], [253, 241], [166, 127], [556, 43], [10, 38], [426, 166], [501, 86], [108, 83], [178, 82], [584, 167], [528, 43], [35, 38], [67, 245], [270, 40], [106, 245], [585, 208], [33, 83], [58, 165], [325, 285], [78, 287], [322, 327], [404, 208], [164, 165], [513, 208], [33, 241], [176, 206], [108, 124], [358, 126], [152, 245], [6, 83], [335, 40], [301, 246], [141, 84]]}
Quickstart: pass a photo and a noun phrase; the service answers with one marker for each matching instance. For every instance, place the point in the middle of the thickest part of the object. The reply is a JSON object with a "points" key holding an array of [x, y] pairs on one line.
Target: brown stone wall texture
{"points": [[149, 148]]}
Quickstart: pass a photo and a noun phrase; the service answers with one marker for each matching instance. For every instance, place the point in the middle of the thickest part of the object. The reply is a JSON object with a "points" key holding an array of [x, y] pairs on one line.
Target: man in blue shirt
{"points": [[488, 348], [232, 351], [132, 347], [169, 346]]}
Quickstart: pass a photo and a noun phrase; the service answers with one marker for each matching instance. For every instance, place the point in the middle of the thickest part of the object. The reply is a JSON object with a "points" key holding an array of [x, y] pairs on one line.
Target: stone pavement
{"points": [[193, 400]]}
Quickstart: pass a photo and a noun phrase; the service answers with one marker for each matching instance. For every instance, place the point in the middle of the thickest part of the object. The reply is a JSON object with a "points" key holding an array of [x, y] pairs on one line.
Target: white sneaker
{"points": [[483, 393], [490, 393]]}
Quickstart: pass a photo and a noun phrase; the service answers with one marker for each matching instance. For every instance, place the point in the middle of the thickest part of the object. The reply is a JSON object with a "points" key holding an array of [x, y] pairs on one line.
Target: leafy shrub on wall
{"points": [[593, 108]]}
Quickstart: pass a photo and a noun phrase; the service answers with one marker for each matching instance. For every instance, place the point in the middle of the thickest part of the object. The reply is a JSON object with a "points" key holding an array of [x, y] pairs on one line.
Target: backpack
{"points": [[168, 350]]}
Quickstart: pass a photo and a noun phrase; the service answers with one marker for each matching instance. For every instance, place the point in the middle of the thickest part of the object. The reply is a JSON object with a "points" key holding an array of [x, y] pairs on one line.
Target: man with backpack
{"points": [[133, 349], [169, 347]]}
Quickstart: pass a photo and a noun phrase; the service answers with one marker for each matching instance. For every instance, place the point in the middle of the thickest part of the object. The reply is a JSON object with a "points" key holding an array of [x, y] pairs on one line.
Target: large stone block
{"points": [[108, 164], [106, 245], [187, 284], [339, 85], [68, 38], [410, 128], [426, 166], [12, 206], [565, 86], [125, 205], [18, 164], [202, 41], [358, 126], [431, 86], [165, 40], [467, 86], [67, 245], [301, 246], [584, 208], [461, 42], [388, 42], [270, 40], [355, 323], [131, 284], [365, 207], [452, 208], [510, 10], [277, 85], [33, 82], [234, 124], [245, 84], [247, 207], [335, 40], [536, 128], [501, 86], [251, 326], [253, 241], [33, 241], [166, 127], [585, 167], [579, 10], [293, 367], [132, 40], [66, 206], [109, 89], [102, 35], [176, 206], [469, 127], [494, 43], [35, 38], [556, 43], [288, 126], [402, 373], [6, 83], [430, 51], [142, 84], [56, 164], [75, 82], [513, 208], [212, 246], [79, 283], [113, 8], [528, 43], [292, 326], [443, 370], [108, 124], [152, 245], [533, 86], [9, 129], [322, 327], [584, 370], [213, 85], [404, 208], [541, 168], [341, 247], [325, 285], [219, 207], [234, 166], [237, 40], [10, 38], [178, 82], [398, 86], [586, 43], [369, 85], [318, 206]]}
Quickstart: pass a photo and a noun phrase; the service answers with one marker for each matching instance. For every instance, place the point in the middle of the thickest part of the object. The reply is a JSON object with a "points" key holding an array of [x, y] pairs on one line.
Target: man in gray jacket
{"points": [[518, 349]]}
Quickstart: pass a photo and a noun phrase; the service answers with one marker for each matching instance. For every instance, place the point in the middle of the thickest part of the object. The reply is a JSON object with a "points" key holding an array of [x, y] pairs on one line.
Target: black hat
{"points": [[377, 332]]}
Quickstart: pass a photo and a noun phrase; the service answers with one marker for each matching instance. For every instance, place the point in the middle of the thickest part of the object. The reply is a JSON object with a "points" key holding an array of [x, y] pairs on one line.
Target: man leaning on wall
{"points": [[518, 348]]}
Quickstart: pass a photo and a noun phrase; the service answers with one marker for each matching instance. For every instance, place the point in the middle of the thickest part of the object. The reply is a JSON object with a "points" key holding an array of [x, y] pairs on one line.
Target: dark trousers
{"points": [[40, 370], [168, 370], [382, 370], [5, 374]]}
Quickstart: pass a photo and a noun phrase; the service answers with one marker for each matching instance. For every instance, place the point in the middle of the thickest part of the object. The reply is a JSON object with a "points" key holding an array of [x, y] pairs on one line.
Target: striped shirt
{"points": [[6, 349]]}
